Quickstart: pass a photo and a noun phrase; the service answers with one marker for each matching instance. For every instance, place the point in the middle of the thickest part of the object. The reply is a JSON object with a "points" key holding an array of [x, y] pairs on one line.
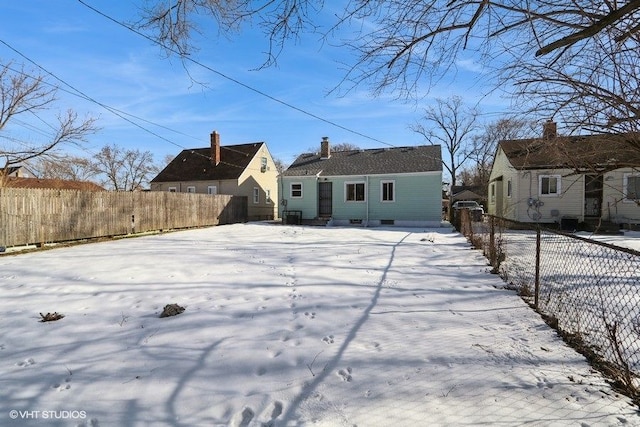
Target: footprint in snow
{"points": [[276, 411], [26, 362], [244, 418], [345, 374], [328, 339], [64, 386]]}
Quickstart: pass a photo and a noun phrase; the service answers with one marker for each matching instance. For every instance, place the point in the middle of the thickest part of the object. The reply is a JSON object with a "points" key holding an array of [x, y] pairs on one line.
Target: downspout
{"points": [[367, 202], [281, 200]]}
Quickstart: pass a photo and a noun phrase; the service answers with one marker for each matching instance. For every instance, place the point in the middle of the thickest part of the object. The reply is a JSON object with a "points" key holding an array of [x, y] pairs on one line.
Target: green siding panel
{"points": [[417, 197], [308, 204]]}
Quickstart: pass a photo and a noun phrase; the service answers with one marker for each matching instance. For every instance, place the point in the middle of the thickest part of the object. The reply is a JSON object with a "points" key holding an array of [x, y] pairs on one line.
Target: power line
{"points": [[77, 92], [83, 95], [236, 81]]}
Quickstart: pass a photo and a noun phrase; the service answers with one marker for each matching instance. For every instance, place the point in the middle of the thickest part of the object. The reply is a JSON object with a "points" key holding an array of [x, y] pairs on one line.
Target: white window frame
{"points": [[355, 184], [212, 189], [296, 193], [191, 189], [267, 199], [173, 189], [492, 192], [393, 191], [625, 185], [509, 188], [558, 191], [256, 195]]}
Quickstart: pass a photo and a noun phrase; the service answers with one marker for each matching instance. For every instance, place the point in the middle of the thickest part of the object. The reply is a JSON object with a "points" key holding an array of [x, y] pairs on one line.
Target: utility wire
{"points": [[236, 81], [77, 92], [83, 95], [119, 113]]}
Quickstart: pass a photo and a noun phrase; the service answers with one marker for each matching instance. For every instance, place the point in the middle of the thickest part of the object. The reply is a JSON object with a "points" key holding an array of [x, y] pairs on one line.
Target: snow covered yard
{"points": [[284, 326]]}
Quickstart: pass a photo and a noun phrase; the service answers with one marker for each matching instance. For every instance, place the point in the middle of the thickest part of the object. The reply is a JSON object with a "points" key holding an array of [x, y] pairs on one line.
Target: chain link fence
{"points": [[588, 290]]}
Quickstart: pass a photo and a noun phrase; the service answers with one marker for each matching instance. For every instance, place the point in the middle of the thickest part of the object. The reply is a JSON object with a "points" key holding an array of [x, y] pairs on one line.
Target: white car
{"points": [[468, 204]]}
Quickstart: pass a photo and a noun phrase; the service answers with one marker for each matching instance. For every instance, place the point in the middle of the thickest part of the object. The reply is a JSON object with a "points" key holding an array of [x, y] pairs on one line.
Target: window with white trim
{"points": [[549, 185], [631, 187], [509, 188], [256, 195], [296, 190], [492, 192], [173, 189], [191, 189], [212, 189], [354, 191], [387, 191], [267, 199]]}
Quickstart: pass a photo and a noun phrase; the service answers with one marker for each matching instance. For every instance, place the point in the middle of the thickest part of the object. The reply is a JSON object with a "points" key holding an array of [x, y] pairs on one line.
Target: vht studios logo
{"points": [[48, 415]]}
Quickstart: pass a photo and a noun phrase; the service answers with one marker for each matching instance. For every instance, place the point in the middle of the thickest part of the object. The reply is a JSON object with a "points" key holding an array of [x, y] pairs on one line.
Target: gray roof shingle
{"points": [[573, 152], [424, 158], [195, 164]]}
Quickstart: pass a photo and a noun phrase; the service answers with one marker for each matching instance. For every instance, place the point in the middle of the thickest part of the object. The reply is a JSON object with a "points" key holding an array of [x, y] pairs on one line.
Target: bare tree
{"points": [[575, 62], [25, 95], [451, 124], [483, 148], [340, 146], [124, 170], [67, 167], [280, 165]]}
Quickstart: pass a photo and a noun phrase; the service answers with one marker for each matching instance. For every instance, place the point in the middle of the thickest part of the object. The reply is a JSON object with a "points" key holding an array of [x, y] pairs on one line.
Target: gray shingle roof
{"points": [[424, 158], [573, 152], [195, 164]]}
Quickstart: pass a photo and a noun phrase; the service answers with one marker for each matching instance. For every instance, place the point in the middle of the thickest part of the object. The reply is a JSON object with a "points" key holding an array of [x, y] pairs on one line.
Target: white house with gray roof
{"points": [[386, 186]]}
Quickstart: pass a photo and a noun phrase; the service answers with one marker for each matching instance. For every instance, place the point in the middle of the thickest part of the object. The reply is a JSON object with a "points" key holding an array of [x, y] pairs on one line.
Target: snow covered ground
{"points": [[628, 239], [284, 326]]}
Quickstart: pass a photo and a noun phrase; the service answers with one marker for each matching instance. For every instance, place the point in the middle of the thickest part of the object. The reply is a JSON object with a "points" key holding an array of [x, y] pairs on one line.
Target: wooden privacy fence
{"points": [[37, 216]]}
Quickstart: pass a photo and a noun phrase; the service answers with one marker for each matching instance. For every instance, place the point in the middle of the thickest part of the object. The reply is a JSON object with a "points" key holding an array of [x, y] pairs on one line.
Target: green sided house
{"points": [[388, 186], [239, 170]]}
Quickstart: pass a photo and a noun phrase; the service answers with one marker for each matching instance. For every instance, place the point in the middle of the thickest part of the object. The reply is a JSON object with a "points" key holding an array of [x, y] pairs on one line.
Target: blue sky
{"points": [[182, 104]]}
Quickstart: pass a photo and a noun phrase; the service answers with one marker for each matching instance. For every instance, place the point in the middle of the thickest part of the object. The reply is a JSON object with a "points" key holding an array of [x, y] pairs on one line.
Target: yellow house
{"points": [[240, 170]]}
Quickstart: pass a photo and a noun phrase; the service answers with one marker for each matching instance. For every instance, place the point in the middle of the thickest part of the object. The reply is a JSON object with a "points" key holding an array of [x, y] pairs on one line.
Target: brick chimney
{"points": [[325, 149], [215, 148], [549, 130]]}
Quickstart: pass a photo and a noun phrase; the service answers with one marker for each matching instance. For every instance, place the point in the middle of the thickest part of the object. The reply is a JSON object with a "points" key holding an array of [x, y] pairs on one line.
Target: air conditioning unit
{"points": [[264, 168]]}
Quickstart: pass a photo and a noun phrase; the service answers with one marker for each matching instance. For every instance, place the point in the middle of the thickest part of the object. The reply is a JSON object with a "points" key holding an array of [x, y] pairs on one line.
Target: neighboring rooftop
{"points": [[573, 152], [199, 164], [425, 158], [56, 184]]}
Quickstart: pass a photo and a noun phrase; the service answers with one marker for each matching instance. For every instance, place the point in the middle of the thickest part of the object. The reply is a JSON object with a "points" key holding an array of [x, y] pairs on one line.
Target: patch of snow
{"points": [[284, 325]]}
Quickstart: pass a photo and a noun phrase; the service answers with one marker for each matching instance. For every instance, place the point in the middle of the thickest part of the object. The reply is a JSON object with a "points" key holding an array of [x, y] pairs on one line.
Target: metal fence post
{"points": [[492, 243], [537, 280]]}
